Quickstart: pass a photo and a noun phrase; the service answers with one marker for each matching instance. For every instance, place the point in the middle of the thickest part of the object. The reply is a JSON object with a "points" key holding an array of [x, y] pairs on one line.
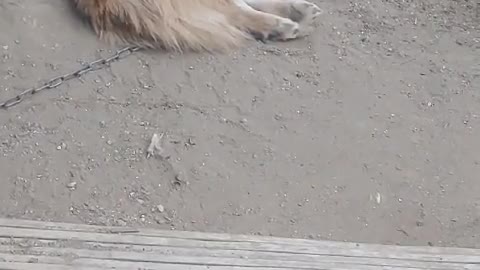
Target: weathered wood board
{"points": [[35, 245]]}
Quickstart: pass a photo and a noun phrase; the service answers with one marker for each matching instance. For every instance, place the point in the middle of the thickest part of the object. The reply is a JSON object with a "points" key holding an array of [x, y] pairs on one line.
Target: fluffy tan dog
{"points": [[198, 24]]}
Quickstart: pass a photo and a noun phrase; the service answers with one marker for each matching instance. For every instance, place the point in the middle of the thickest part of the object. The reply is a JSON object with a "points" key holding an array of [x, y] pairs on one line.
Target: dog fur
{"points": [[212, 25]]}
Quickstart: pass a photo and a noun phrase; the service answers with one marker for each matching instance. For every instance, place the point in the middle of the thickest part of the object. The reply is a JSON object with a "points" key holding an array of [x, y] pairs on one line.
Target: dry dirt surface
{"points": [[368, 130]]}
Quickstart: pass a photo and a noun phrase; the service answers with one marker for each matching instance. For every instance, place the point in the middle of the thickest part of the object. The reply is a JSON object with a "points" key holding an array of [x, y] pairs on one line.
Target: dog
{"points": [[198, 25]]}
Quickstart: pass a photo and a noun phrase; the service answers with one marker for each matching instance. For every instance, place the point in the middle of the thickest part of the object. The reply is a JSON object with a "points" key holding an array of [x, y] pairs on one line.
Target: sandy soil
{"points": [[366, 131]]}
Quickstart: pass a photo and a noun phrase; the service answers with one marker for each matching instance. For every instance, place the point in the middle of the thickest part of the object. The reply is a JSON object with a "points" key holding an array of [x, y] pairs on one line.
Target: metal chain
{"points": [[59, 80]]}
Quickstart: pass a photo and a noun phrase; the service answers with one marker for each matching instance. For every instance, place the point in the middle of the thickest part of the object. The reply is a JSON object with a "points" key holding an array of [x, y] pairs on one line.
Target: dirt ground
{"points": [[366, 131]]}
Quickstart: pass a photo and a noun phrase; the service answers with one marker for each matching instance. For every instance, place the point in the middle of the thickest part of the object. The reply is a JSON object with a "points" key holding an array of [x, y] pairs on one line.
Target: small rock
{"points": [[180, 177], [160, 208], [121, 222], [179, 180], [72, 185], [191, 141], [159, 220], [378, 198], [61, 146]]}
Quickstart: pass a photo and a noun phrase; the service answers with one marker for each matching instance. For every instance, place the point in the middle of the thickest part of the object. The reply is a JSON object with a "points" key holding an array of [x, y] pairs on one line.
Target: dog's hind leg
{"points": [[301, 11], [262, 25]]}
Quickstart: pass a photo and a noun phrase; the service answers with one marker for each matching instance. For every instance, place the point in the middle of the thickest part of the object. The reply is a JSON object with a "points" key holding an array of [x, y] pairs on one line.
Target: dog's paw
{"points": [[282, 29], [304, 12], [286, 30]]}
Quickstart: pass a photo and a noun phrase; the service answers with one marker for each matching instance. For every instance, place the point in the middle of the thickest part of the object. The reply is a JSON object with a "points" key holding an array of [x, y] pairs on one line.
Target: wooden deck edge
{"points": [[26, 243]]}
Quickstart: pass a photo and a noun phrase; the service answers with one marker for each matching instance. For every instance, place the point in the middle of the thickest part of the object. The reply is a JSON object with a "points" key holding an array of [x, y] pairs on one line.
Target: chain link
{"points": [[59, 80]]}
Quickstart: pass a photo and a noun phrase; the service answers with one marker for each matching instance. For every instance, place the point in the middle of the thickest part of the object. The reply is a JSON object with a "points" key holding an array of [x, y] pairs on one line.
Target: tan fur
{"points": [[188, 24]]}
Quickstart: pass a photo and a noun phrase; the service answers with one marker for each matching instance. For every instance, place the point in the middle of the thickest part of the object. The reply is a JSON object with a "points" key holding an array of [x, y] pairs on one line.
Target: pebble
{"points": [[160, 208], [72, 185], [378, 198], [61, 146], [180, 177], [121, 222]]}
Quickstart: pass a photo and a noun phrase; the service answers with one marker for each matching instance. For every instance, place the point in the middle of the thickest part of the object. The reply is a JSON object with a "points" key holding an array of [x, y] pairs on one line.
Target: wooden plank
{"points": [[38, 245], [221, 237], [174, 254], [149, 241], [207, 258], [328, 245]]}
